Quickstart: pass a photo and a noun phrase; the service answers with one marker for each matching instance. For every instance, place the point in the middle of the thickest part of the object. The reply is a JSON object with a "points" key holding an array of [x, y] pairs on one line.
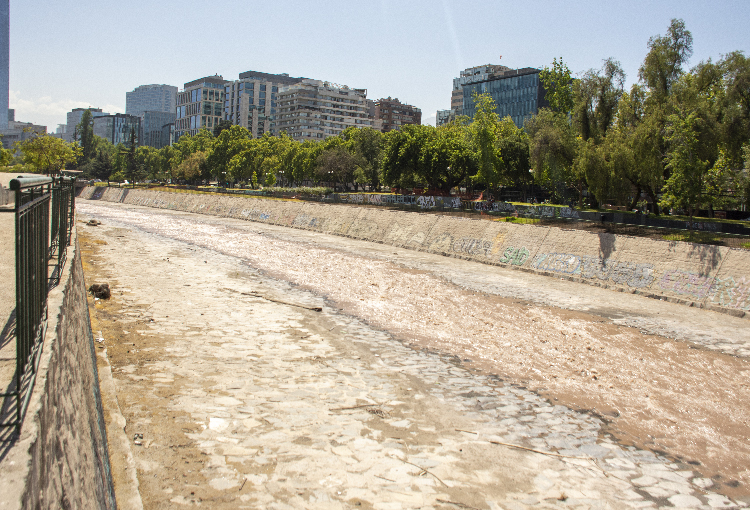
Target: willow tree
{"points": [[484, 130]]}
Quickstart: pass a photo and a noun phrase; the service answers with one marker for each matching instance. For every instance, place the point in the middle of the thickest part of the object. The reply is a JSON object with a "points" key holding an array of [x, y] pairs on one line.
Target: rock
{"points": [[100, 290], [94, 223]]}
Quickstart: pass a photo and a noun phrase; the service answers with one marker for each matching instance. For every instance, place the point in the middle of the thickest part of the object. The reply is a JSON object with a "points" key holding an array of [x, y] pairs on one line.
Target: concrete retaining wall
{"points": [[693, 274], [61, 459]]}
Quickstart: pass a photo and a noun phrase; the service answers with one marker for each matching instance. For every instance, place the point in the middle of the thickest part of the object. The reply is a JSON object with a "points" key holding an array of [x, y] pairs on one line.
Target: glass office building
{"points": [[117, 128], [200, 105], [518, 93], [151, 98]]}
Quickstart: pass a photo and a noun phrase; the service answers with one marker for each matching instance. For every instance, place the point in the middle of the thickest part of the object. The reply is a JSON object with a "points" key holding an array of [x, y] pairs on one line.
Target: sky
{"points": [[67, 54]]}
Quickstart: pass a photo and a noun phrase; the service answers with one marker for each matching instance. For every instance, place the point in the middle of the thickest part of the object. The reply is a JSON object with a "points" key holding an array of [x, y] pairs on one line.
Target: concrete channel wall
{"points": [[61, 459], [693, 274]]}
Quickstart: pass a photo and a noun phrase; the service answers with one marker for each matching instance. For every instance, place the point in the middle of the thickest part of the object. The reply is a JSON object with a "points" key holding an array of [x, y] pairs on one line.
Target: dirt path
{"points": [[653, 392]]}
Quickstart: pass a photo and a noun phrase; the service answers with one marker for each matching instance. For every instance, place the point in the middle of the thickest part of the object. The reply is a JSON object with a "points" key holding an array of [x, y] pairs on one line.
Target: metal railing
{"points": [[63, 197], [39, 239]]}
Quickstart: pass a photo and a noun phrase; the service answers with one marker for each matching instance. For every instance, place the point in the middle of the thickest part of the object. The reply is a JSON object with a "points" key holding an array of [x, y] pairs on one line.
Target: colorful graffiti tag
{"points": [[515, 256]]}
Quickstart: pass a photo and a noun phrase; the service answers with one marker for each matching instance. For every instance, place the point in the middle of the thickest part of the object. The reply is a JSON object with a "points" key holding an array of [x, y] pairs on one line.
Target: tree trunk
{"points": [[634, 203], [652, 196]]}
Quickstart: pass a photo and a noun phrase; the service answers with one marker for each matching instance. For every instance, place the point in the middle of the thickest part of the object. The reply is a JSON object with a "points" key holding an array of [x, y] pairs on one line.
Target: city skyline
{"points": [[410, 51]]}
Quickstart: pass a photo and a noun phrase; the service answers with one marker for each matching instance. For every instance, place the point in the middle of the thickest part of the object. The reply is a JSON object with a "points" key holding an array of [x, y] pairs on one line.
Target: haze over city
{"points": [[90, 53]]}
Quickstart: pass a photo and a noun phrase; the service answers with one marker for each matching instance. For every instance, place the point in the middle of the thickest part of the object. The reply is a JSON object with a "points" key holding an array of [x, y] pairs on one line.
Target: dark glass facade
{"points": [[518, 94]]}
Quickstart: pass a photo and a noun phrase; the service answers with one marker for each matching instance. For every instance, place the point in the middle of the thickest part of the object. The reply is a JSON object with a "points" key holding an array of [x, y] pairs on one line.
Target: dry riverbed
{"points": [[684, 403]]}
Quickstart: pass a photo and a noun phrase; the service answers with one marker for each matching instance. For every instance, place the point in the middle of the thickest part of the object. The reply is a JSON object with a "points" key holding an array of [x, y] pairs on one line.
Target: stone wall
{"points": [[61, 459], [692, 274]]}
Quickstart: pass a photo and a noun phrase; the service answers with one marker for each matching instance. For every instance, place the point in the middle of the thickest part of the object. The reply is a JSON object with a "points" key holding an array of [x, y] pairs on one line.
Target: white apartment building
{"points": [[315, 110], [251, 101]]}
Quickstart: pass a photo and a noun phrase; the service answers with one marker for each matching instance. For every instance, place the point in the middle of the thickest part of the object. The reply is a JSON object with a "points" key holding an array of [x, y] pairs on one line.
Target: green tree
{"points": [[335, 164], [484, 129], [684, 186], [366, 144], [193, 167], [558, 85], [552, 150], [513, 144], [133, 171], [596, 99], [84, 132], [186, 146], [48, 154], [223, 148], [403, 161], [664, 62], [221, 126]]}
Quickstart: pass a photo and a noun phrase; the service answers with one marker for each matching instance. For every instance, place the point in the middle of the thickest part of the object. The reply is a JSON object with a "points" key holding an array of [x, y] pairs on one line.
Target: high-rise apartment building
{"points": [[393, 114], [251, 101], [117, 128], [151, 98], [518, 93], [314, 109], [4, 62], [199, 105]]}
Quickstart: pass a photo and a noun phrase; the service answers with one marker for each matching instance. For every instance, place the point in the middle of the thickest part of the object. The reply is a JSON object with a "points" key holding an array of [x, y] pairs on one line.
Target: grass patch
{"points": [[522, 221], [693, 236]]}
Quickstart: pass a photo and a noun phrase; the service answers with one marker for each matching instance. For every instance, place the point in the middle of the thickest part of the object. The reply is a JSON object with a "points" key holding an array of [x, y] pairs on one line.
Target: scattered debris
{"points": [[460, 505], [423, 471], [353, 407], [510, 445], [100, 290], [256, 294]]}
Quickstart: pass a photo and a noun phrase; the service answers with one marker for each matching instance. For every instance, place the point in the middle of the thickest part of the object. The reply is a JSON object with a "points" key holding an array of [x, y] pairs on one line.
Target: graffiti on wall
{"points": [[686, 284], [702, 226], [430, 202], [426, 202], [471, 246], [731, 293], [254, 214], [515, 256], [623, 273]]}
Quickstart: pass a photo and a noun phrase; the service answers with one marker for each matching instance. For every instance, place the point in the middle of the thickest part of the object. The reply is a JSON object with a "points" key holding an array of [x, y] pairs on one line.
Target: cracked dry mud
{"points": [[260, 403]]}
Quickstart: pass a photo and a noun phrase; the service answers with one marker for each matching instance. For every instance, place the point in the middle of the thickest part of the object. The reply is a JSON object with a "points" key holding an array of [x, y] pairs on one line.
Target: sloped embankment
{"points": [[705, 276]]}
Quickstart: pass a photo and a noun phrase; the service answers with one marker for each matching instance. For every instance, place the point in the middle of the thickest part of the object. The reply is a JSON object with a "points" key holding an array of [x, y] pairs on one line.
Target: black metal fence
{"points": [[44, 209], [63, 203]]}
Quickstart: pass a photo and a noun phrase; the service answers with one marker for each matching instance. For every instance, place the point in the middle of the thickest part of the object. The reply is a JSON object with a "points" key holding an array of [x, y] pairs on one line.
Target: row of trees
{"points": [[679, 137]]}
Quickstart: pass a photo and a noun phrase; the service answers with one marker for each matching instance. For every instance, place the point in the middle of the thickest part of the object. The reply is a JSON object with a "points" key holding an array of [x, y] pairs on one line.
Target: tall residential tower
{"points": [[4, 61]]}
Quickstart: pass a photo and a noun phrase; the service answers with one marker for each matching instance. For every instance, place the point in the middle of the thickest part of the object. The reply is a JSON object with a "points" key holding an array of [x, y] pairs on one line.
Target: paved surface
{"points": [[246, 397]]}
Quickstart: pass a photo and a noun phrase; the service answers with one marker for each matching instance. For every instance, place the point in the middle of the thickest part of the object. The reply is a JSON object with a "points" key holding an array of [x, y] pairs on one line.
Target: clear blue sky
{"points": [[78, 53]]}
